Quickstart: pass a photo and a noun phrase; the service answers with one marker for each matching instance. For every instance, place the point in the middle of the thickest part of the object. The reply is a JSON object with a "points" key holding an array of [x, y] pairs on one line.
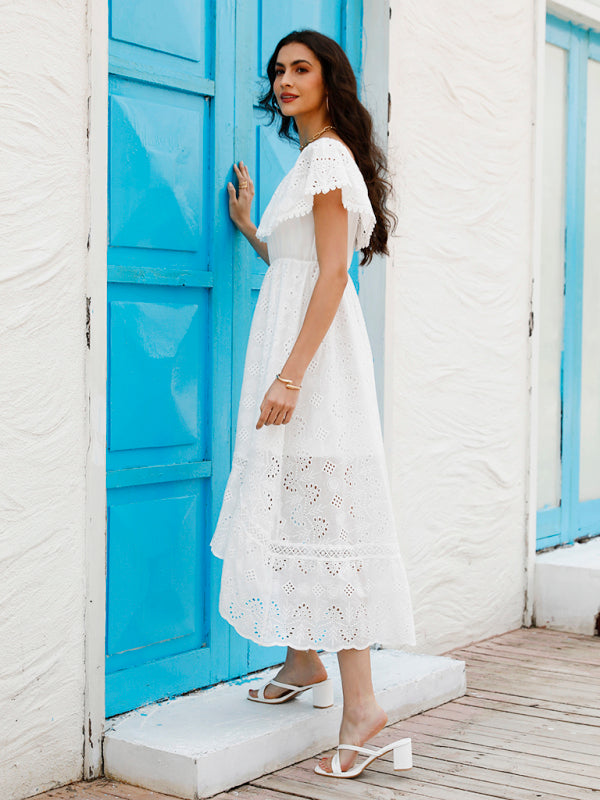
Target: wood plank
{"points": [[592, 716], [560, 667], [558, 639], [489, 767], [128, 791], [525, 684], [498, 759], [62, 793], [588, 667], [449, 774], [102, 789], [509, 674], [459, 787], [535, 650], [528, 710], [553, 641], [567, 735], [387, 787], [317, 787], [548, 758], [251, 793]]}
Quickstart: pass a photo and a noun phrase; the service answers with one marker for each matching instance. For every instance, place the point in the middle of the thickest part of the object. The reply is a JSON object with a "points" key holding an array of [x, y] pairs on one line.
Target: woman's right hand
{"points": [[240, 204]]}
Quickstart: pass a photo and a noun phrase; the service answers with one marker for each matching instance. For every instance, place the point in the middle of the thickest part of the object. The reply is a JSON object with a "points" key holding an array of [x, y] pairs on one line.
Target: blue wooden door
{"points": [[569, 403], [181, 291]]}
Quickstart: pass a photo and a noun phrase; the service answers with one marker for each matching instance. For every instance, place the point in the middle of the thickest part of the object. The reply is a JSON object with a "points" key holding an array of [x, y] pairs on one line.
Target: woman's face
{"points": [[298, 84]]}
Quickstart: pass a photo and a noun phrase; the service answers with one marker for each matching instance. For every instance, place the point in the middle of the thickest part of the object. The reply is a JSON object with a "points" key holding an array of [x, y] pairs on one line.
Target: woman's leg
{"points": [[301, 668], [362, 716]]}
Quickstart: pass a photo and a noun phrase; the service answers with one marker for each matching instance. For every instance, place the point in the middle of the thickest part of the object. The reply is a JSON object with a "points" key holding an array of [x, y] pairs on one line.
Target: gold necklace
{"points": [[312, 138]]}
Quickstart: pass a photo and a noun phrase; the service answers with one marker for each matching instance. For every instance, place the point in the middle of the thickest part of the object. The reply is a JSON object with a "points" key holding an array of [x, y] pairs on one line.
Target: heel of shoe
{"points": [[403, 755], [322, 694]]}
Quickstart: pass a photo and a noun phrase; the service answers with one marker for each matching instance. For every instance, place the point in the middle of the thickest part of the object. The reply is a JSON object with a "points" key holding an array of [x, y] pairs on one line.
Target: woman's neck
{"points": [[309, 127]]}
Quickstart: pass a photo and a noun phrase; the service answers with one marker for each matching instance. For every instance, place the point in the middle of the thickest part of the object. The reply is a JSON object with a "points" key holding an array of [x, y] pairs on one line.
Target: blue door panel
{"points": [[155, 192], [159, 377], [159, 168], [155, 562], [160, 373], [178, 27]]}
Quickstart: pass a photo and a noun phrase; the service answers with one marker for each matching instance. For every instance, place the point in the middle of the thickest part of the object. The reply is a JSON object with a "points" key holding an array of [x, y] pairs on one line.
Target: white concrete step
{"points": [[214, 739], [567, 587]]}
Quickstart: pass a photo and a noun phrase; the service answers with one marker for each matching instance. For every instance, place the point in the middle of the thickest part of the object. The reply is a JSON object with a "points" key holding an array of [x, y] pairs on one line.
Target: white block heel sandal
{"points": [[322, 693], [402, 758]]}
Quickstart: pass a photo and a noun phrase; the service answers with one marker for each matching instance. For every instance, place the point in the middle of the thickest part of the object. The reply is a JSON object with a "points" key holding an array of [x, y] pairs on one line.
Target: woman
{"points": [[306, 529]]}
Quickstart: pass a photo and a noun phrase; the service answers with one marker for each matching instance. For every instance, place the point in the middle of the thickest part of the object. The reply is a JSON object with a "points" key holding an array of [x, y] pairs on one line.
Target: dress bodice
{"points": [[287, 223], [295, 239]]}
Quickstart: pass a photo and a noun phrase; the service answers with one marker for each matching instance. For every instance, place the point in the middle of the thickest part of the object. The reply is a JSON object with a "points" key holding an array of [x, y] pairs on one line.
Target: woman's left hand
{"points": [[278, 405]]}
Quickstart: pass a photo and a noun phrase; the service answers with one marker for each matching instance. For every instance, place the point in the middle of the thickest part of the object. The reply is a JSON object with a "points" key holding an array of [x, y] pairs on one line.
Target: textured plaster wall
{"points": [[457, 306], [43, 234]]}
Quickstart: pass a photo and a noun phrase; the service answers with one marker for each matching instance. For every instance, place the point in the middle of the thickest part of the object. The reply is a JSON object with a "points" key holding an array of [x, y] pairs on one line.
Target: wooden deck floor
{"points": [[528, 727]]}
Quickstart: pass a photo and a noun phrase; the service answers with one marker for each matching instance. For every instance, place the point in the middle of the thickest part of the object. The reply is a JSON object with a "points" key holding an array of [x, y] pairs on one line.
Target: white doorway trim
{"points": [[96, 361]]}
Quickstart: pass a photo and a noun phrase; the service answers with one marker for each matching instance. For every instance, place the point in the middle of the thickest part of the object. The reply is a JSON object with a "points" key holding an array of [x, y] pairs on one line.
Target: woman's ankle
{"points": [[356, 710], [305, 664]]}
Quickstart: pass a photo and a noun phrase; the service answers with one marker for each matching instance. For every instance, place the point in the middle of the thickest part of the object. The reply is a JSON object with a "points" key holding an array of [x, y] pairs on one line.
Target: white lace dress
{"points": [[306, 530]]}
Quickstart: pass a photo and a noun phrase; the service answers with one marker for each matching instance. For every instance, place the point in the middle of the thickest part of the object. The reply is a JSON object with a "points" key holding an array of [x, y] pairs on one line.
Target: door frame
{"points": [[372, 295], [589, 16]]}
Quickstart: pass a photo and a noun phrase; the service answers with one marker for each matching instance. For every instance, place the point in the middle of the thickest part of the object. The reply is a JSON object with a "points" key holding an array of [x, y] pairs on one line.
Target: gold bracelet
{"points": [[288, 383]]}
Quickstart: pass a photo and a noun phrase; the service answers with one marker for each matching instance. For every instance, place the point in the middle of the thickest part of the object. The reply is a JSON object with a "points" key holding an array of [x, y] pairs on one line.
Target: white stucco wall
{"points": [[457, 310], [43, 234]]}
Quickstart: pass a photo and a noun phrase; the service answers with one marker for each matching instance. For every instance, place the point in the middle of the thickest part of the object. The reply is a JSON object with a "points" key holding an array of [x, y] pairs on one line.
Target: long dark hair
{"points": [[352, 122]]}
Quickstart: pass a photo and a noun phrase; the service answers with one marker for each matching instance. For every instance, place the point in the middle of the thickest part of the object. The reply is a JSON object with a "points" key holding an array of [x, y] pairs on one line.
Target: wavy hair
{"points": [[350, 119]]}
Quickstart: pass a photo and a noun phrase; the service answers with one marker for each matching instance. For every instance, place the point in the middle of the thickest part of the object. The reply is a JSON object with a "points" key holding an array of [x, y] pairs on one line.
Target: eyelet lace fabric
{"points": [[306, 531], [323, 165]]}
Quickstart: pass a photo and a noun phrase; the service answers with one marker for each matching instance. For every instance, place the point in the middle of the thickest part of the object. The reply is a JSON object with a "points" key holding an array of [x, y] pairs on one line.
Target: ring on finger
{"points": [[243, 184]]}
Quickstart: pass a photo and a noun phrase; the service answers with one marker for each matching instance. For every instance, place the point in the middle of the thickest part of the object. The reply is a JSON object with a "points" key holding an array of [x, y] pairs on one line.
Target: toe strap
{"points": [[365, 751], [336, 767], [284, 685]]}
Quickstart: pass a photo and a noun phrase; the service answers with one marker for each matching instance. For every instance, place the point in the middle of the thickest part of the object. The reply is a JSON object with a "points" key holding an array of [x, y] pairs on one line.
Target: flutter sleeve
{"points": [[324, 165]]}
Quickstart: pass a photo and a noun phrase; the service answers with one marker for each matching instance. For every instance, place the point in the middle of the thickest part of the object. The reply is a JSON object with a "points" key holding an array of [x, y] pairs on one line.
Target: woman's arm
{"points": [[239, 209], [331, 236], [249, 231]]}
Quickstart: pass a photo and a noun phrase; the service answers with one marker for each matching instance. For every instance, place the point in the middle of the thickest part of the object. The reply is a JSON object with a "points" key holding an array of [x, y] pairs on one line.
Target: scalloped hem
{"points": [[302, 645]]}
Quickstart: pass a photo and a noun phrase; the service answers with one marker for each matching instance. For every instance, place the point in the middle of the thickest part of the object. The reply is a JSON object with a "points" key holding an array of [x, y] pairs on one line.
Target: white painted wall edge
{"points": [[581, 12], [537, 116], [95, 516], [375, 86]]}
